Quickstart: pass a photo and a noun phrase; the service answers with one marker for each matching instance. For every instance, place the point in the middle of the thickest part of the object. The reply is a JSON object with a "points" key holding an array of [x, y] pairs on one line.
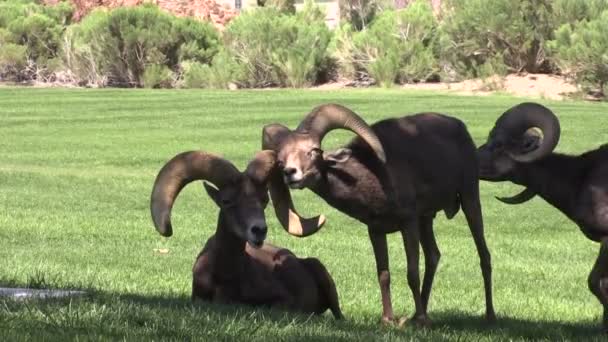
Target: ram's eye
{"points": [[496, 146], [227, 202], [280, 164]]}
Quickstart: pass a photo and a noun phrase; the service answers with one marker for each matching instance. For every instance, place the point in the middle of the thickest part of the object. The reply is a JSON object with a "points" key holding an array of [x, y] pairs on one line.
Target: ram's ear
{"points": [[213, 192], [339, 156], [272, 135]]}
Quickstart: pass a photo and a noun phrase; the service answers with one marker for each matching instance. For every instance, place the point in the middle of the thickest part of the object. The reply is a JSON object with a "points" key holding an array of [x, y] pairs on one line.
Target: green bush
{"points": [[360, 13], [39, 30], [573, 11], [157, 76], [116, 47], [274, 49], [219, 75], [514, 31], [13, 60], [398, 46], [581, 50], [475, 31]]}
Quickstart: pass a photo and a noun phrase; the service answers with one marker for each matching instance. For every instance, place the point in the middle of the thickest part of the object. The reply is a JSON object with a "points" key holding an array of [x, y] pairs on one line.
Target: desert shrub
{"points": [[13, 60], [360, 13], [116, 47], [38, 29], [573, 11], [275, 49], [222, 72], [157, 76], [476, 31], [399, 46], [581, 50], [514, 31]]}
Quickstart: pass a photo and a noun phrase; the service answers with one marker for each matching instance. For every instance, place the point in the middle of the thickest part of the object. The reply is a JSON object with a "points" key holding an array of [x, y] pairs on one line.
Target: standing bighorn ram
{"points": [[519, 149], [236, 266], [394, 176]]}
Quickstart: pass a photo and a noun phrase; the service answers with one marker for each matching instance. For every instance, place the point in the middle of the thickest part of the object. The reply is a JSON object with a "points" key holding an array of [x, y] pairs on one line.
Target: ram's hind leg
{"points": [[327, 287], [411, 242], [598, 280], [472, 210], [431, 257]]}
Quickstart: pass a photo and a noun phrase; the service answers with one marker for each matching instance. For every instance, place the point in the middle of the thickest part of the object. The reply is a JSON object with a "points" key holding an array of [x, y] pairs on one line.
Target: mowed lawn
{"points": [[76, 171]]}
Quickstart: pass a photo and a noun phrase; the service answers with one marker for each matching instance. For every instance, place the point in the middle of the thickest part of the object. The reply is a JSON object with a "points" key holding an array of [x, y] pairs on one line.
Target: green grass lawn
{"points": [[76, 171]]}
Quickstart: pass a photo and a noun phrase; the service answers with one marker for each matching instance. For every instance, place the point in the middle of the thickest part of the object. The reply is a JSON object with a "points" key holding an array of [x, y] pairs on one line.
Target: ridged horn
{"points": [[284, 208], [285, 211], [261, 166], [327, 117], [179, 171], [519, 119], [521, 197]]}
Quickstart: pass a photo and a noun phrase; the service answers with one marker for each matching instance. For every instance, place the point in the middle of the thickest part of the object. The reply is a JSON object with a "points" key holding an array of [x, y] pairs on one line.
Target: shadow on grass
{"points": [[171, 316], [517, 328]]}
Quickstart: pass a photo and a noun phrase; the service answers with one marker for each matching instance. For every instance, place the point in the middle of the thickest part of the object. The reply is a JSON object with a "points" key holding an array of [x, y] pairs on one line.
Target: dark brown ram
{"points": [[394, 176], [236, 266], [520, 150]]}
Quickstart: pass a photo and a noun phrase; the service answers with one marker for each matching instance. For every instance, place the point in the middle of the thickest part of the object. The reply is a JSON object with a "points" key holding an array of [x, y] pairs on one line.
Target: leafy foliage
{"points": [[274, 49], [37, 30], [475, 31], [116, 47], [582, 51], [399, 46], [360, 13]]}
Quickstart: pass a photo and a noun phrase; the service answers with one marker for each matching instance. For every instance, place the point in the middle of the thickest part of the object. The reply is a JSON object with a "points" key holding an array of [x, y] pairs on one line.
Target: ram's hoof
{"points": [[490, 318], [387, 321], [422, 321]]}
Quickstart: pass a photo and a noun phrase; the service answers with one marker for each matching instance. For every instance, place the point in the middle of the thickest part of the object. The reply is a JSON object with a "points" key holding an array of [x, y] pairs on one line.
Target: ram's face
{"points": [[300, 161], [242, 208], [495, 164]]}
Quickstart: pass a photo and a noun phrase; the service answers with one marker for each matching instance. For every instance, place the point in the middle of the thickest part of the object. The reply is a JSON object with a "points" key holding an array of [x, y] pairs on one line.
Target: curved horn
{"points": [[519, 119], [283, 205], [261, 166], [284, 209], [521, 197], [179, 171], [327, 117], [272, 135]]}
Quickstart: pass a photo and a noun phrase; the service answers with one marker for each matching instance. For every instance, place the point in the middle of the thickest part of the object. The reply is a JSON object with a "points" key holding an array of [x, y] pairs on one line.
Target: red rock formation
{"points": [[208, 10]]}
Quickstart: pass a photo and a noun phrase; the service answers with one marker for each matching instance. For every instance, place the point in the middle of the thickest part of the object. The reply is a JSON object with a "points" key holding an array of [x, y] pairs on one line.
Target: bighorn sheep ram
{"points": [[236, 266], [520, 150], [394, 176]]}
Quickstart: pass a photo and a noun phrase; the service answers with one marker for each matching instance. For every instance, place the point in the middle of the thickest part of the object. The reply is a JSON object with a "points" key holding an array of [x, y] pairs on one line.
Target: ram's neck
{"points": [[555, 178], [354, 190], [230, 256]]}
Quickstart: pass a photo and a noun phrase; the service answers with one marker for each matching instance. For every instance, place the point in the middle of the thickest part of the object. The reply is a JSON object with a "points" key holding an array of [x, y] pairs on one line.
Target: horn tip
{"points": [[382, 156], [162, 223], [321, 220], [504, 200]]}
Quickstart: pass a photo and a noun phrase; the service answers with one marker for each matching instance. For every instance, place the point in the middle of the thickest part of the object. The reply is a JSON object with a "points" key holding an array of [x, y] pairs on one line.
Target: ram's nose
{"points": [[288, 171], [257, 235]]}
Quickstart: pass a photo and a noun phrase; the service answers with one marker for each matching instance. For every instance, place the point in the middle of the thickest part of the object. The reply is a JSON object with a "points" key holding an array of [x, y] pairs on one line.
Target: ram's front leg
{"points": [[380, 248]]}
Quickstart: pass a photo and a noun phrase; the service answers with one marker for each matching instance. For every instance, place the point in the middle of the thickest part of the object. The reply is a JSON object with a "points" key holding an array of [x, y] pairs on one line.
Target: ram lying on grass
{"points": [[520, 149], [236, 266]]}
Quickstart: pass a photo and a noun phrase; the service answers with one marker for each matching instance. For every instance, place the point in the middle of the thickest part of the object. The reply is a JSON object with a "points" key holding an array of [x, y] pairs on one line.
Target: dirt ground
{"points": [[529, 85]]}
